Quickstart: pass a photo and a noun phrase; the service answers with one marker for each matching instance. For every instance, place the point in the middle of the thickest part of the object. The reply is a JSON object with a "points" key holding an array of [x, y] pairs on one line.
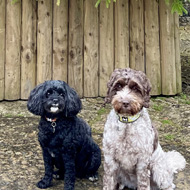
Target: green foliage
{"points": [[58, 2], [177, 5], [167, 2], [107, 3], [14, 1]]}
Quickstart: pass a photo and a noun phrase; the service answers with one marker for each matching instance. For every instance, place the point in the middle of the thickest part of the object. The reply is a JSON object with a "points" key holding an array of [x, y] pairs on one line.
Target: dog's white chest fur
{"points": [[128, 142]]}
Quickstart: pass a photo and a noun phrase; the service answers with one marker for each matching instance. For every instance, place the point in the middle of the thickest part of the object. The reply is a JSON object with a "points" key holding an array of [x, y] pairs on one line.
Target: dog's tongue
{"points": [[54, 109]]}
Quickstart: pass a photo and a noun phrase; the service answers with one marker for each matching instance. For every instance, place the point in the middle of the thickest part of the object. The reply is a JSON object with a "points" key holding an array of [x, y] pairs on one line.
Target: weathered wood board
{"points": [[28, 48], [91, 53], [75, 64], [2, 49], [13, 48], [122, 34], [60, 40], [106, 43], [167, 45], [137, 35], [152, 46], [44, 41]]}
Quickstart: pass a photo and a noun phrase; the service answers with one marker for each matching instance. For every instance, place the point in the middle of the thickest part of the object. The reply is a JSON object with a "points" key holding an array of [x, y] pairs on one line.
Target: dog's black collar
{"points": [[53, 122]]}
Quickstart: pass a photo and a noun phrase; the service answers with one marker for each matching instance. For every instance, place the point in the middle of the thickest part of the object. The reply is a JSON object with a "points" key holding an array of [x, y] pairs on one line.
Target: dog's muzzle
{"points": [[54, 108]]}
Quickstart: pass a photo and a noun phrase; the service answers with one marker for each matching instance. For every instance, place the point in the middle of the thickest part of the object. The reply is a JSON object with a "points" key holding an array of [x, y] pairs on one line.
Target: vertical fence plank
{"points": [[106, 42], [167, 46], [13, 36], [28, 48], [177, 55], [137, 35], [75, 66], [122, 34], [90, 49], [2, 49], [44, 41], [152, 45], [60, 36]]}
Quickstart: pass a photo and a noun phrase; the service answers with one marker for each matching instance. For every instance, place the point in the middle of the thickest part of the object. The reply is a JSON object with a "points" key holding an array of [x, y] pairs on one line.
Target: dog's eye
{"points": [[48, 93], [61, 94], [136, 89], [118, 86]]}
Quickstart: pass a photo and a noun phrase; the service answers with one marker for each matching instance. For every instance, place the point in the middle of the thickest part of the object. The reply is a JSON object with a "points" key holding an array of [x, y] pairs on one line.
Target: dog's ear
{"points": [[147, 89], [111, 92], [35, 100], [73, 102]]}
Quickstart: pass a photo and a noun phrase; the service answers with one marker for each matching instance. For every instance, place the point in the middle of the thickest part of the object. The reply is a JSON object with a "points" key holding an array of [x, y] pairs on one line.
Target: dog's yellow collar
{"points": [[128, 119]]}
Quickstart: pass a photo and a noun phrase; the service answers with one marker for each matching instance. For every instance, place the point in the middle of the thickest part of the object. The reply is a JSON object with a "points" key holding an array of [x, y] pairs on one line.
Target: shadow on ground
{"points": [[21, 164]]}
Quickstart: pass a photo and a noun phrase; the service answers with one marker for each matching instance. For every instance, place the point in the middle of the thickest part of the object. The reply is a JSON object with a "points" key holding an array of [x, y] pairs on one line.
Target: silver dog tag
{"points": [[53, 124]]}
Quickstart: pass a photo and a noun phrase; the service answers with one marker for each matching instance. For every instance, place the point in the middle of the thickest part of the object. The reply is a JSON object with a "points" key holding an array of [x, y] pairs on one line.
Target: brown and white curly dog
{"points": [[133, 157]]}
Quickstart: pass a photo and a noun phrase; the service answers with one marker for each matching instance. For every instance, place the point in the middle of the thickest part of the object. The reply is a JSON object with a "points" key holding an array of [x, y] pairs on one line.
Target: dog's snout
{"points": [[55, 101], [125, 103]]}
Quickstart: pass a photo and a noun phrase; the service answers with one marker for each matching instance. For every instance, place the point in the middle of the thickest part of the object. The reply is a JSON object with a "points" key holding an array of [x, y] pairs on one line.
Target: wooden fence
{"points": [[82, 45]]}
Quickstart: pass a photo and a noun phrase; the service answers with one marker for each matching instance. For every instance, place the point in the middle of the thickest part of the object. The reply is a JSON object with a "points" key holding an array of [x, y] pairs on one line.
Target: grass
{"points": [[98, 117], [183, 98], [160, 98], [157, 107], [167, 122], [8, 115], [101, 111], [169, 137]]}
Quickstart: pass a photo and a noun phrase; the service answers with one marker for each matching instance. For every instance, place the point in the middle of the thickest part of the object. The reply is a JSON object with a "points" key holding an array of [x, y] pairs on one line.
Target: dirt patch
{"points": [[21, 163]]}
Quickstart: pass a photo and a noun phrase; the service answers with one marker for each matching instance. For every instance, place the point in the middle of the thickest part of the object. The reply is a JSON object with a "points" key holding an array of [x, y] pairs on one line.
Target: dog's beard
{"points": [[53, 108], [134, 106]]}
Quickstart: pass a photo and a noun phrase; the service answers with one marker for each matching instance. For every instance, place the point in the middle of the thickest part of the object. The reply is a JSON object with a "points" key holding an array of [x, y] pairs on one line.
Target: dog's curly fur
{"points": [[65, 138], [133, 157]]}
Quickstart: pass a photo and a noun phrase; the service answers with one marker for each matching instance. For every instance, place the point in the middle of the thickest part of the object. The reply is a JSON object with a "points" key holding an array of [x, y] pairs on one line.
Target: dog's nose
{"points": [[125, 103], [55, 101]]}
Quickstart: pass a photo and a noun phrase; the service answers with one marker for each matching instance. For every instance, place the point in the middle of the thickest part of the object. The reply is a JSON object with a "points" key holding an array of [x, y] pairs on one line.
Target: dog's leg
{"points": [[88, 160], [93, 162], [92, 165], [48, 163], [143, 175], [59, 173], [69, 177], [110, 176]]}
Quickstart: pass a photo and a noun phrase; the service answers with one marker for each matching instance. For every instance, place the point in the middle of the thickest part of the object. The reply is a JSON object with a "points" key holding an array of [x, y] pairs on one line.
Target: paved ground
{"points": [[21, 164]]}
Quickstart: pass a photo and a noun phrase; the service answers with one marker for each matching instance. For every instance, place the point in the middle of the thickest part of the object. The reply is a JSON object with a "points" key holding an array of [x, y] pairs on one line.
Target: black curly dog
{"points": [[65, 138]]}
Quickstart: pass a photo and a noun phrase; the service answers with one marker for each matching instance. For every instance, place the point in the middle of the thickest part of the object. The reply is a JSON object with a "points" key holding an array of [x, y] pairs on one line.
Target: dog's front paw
{"points": [[43, 184], [93, 178], [59, 175]]}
